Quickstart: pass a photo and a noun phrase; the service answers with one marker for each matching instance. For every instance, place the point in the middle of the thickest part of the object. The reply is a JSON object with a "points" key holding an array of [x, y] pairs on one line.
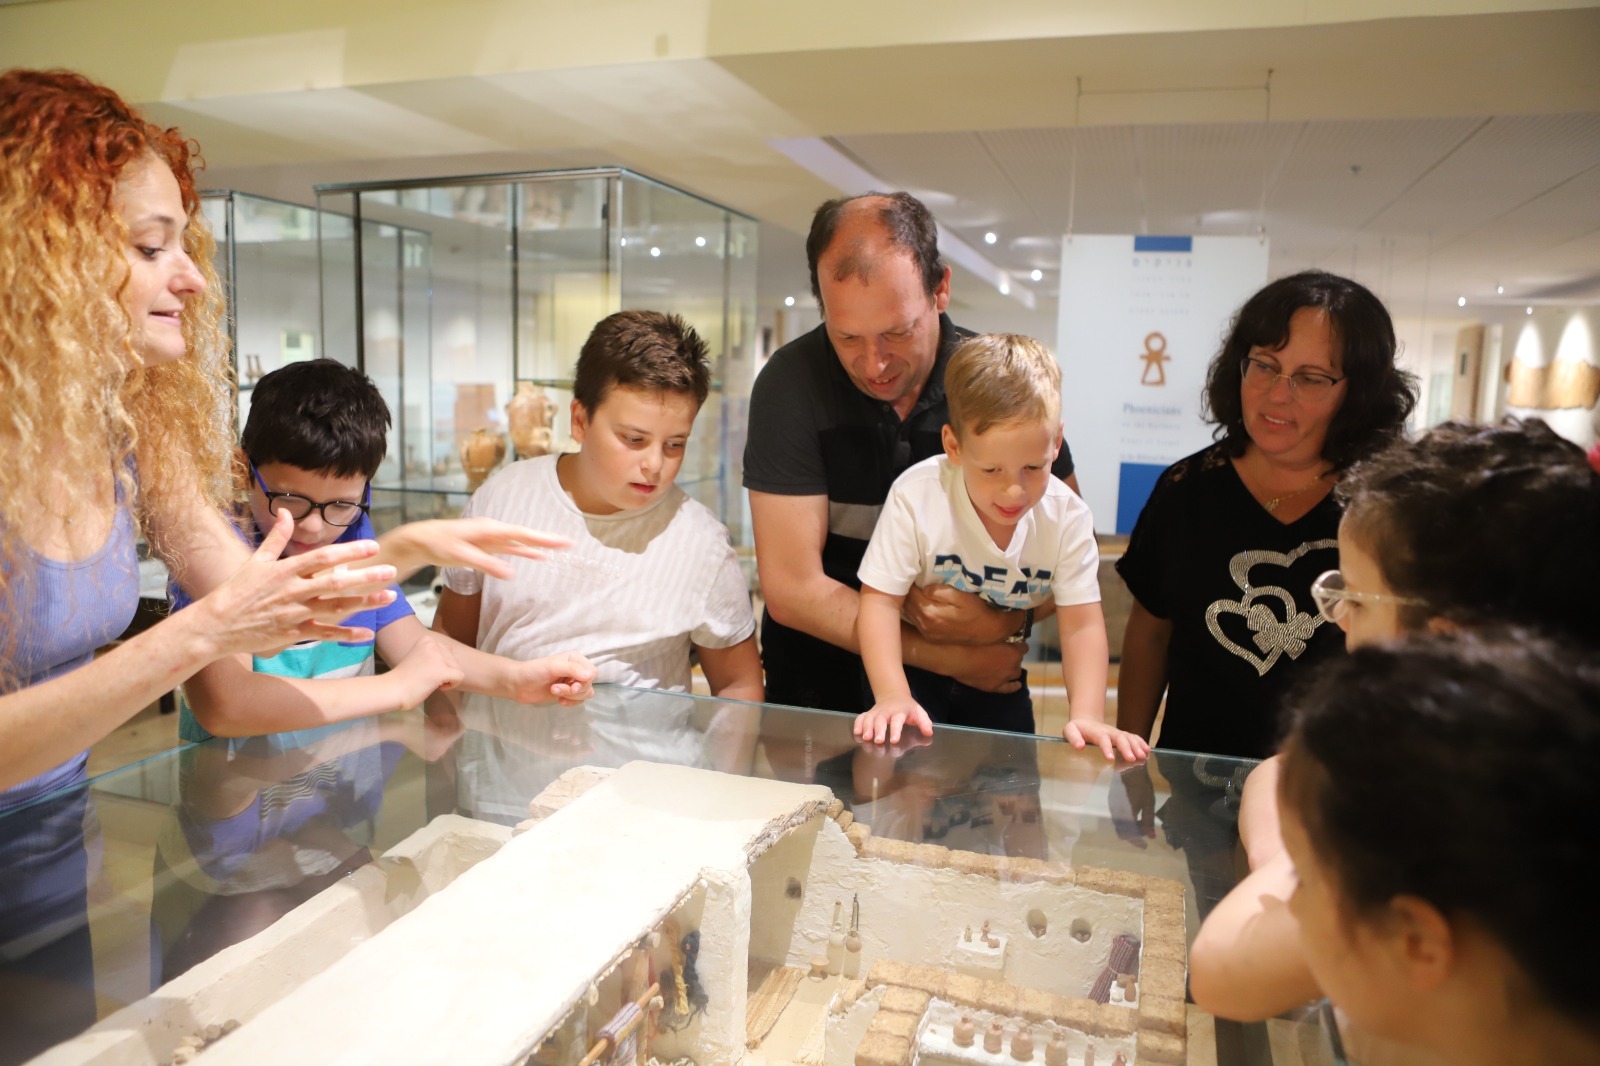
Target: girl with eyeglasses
{"points": [[1470, 526]]}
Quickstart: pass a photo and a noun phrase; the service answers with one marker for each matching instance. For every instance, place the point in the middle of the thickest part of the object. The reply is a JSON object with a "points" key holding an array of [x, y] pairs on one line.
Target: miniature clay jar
{"points": [[965, 1031], [994, 1038], [480, 454], [530, 414], [1055, 1053], [852, 942], [1022, 1043]]}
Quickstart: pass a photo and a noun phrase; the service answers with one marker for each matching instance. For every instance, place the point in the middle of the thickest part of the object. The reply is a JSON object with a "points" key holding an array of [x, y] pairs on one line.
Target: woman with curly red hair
{"points": [[115, 419]]}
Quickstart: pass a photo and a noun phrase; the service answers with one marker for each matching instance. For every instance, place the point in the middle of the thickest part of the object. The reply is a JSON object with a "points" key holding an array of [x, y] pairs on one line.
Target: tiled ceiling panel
{"points": [[1409, 205]]}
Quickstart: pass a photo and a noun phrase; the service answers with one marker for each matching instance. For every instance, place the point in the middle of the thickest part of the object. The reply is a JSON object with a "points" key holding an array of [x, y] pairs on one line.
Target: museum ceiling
{"points": [[1452, 151]]}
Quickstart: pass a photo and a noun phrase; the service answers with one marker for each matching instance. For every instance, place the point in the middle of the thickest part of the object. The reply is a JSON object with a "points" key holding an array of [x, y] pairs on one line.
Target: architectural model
{"points": [[663, 914]]}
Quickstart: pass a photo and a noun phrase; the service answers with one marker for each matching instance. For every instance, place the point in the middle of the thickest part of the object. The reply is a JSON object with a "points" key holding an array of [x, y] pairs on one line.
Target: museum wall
{"points": [[1561, 342]]}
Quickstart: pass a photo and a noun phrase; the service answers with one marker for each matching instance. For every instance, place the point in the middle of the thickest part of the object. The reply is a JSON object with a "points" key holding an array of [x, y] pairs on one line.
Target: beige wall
{"points": [[1549, 337]]}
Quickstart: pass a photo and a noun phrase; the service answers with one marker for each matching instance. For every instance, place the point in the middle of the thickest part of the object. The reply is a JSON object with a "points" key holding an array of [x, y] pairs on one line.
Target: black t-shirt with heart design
{"points": [[1236, 585]]}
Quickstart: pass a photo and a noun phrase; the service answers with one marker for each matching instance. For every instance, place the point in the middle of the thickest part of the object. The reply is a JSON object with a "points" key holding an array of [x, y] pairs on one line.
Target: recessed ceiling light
{"points": [[1037, 275], [654, 251], [699, 242], [788, 301], [624, 242], [990, 237], [1461, 301], [1530, 310], [1500, 290], [1005, 287]]}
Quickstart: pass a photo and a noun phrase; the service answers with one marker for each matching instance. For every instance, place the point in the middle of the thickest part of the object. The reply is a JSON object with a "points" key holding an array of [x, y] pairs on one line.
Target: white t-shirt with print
{"points": [[631, 594], [929, 533]]}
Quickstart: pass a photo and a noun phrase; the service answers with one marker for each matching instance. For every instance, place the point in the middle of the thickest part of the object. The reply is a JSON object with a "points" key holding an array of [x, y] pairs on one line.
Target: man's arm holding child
{"points": [[790, 532], [946, 615], [893, 708], [566, 678], [1084, 655]]}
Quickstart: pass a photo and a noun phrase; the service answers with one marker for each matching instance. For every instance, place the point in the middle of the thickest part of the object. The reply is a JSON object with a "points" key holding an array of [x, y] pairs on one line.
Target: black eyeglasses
{"points": [[334, 512]]}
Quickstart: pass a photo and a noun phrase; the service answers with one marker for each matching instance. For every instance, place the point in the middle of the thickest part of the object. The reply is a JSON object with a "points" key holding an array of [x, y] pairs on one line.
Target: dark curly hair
{"points": [[1485, 525], [910, 225], [1379, 396], [1488, 754]]}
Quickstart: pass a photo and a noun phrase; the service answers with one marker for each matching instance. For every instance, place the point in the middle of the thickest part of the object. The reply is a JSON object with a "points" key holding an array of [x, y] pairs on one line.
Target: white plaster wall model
{"points": [[666, 914], [237, 983]]}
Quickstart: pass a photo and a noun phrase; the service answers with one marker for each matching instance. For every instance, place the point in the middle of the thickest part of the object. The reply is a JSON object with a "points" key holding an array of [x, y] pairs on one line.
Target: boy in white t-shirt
{"points": [[650, 572], [987, 517]]}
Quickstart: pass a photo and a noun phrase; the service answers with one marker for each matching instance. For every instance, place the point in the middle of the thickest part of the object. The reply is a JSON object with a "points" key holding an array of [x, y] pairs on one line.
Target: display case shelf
{"points": [[266, 262]]}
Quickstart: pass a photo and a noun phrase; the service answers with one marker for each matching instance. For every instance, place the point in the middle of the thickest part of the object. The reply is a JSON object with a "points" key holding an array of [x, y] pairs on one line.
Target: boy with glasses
{"points": [[315, 436]]}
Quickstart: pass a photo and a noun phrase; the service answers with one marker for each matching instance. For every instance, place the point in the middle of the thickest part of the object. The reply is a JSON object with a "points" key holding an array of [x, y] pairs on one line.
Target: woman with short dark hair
{"points": [[1222, 558]]}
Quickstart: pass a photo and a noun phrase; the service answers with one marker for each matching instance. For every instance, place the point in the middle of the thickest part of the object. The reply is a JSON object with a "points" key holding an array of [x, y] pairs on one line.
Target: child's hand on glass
{"points": [[889, 717], [1112, 741]]}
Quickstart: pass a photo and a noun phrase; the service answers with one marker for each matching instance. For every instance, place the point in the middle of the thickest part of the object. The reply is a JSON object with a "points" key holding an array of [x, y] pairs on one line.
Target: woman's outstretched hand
{"points": [[273, 603]]}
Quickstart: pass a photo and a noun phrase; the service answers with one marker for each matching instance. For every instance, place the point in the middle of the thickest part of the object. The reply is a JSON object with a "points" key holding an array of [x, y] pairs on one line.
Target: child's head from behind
{"points": [[317, 430], [1004, 394], [640, 381], [1472, 526], [1440, 869]]}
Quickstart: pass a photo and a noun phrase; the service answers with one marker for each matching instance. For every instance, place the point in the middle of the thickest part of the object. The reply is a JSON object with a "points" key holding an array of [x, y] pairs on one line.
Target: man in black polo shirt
{"points": [[835, 417]]}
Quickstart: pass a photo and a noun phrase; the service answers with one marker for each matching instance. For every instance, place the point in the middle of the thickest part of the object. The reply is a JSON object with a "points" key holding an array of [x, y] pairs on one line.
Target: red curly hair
{"points": [[76, 399]]}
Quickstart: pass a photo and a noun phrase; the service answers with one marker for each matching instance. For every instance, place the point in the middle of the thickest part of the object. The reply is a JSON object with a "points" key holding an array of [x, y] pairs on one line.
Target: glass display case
{"points": [[707, 879], [456, 295], [266, 261]]}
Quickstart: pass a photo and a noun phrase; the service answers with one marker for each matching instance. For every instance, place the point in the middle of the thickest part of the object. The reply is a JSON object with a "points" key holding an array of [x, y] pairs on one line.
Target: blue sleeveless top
{"points": [[58, 614]]}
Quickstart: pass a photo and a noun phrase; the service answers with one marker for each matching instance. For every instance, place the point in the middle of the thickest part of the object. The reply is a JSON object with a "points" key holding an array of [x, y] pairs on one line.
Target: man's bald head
{"points": [[856, 233]]}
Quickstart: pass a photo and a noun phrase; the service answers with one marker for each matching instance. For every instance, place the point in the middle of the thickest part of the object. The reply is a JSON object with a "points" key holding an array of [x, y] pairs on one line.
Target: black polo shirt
{"points": [[813, 433]]}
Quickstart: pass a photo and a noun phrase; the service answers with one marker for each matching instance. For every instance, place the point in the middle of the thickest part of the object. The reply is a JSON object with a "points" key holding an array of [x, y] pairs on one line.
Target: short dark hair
{"points": [[1472, 797], [318, 415], [1379, 396], [645, 350], [1485, 525], [910, 226]]}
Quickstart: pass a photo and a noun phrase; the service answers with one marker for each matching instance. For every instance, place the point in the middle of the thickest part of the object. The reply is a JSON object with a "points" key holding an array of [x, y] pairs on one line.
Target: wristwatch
{"points": [[1021, 635]]}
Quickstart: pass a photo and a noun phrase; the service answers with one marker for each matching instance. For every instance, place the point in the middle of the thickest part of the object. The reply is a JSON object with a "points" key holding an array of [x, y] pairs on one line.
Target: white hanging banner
{"points": [[1141, 319]]}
